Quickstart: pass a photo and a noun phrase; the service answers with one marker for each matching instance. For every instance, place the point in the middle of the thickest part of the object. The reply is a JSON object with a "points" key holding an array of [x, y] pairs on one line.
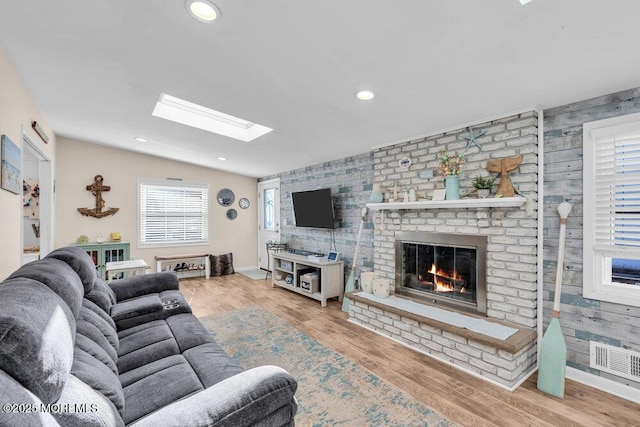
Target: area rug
{"points": [[331, 389], [255, 274]]}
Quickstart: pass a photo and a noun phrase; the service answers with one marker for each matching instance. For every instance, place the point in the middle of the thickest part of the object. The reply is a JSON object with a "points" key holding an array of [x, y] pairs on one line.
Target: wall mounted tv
{"points": [[313, 208]]}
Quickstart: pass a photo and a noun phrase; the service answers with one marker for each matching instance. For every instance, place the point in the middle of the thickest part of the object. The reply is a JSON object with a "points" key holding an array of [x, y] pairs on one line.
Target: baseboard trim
{"points": [[462, 368], [604, 384]]}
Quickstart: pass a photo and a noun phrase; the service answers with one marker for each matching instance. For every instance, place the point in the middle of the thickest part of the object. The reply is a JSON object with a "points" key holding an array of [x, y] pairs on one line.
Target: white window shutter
{"points": [[617, 194], [173, 213]]}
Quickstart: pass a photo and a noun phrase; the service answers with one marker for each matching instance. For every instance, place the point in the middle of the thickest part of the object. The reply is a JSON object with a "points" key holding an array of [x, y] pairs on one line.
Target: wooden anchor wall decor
{"points": [[96, 189], [504, 166]]}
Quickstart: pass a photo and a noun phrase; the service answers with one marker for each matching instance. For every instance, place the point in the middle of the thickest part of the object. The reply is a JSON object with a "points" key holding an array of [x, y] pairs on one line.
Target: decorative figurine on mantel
{"points": [[96, 189], [504, 166], [471, 138]]}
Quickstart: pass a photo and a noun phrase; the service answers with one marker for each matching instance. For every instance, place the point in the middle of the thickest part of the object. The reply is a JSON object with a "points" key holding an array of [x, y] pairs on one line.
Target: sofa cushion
{"points": [[102, 295], [188, 331], [13, 393], [57, 276], [211, 364], [91, 306], [99, 319], [99, 412], [37, 330], [91, 347], [99, 377], [159, 389], [144, 371], [92, 332], [144, 344], [80, 262]]}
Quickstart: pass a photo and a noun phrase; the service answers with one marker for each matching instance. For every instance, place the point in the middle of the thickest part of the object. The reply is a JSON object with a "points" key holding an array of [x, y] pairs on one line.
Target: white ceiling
{"points": [[97, 67]]}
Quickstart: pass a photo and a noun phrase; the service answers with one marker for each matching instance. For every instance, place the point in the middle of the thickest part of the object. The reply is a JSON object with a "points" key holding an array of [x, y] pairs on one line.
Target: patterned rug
{"points": [[331, 389]]}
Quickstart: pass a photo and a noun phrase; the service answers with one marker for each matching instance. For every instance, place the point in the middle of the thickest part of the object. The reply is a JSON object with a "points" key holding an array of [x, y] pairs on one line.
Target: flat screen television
{"points": [[313, 209]]}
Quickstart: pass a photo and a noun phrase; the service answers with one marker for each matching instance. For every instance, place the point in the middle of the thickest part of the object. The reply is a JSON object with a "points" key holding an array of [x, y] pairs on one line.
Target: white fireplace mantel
{"points": [[489, 202]]}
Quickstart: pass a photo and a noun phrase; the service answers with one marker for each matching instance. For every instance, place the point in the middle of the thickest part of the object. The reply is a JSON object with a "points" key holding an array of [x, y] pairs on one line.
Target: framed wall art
{"points": [[10, 166]]}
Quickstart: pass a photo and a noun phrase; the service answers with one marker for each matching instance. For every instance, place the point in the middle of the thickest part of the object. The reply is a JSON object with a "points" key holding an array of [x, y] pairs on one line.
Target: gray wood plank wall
{"points": [[582, 320]]}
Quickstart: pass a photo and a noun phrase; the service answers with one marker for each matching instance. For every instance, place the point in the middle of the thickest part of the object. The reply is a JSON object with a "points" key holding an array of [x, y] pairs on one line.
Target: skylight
{"points": [[194, 115]]}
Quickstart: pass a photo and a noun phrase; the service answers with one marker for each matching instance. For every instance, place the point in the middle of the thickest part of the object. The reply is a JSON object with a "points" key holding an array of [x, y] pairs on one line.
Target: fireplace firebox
{"points": [[443, 268]]}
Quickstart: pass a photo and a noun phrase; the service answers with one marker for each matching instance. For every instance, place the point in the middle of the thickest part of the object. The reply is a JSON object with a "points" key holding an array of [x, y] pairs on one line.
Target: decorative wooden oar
{"points": [[351, 281], [553, 351]]}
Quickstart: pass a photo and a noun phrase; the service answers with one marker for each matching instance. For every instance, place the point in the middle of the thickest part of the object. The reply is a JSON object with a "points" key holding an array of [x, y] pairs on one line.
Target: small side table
{"points": [[134, 266], [275, 247]]}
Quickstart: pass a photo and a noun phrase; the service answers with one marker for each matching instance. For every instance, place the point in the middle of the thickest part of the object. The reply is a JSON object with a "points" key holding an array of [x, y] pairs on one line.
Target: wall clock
{"points": [[244, 203], [226, 197]]}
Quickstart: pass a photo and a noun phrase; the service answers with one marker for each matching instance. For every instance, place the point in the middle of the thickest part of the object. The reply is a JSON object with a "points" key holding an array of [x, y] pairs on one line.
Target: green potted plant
{"points": [[483, 185]]}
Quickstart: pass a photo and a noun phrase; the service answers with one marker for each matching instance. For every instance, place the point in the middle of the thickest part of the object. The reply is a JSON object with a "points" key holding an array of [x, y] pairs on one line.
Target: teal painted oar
{"points": [[351, 281], [553, 351]]}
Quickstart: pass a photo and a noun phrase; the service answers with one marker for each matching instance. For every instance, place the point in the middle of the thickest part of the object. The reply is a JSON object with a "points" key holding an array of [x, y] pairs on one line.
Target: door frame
{"points": [[47, 188], [275, 182]]}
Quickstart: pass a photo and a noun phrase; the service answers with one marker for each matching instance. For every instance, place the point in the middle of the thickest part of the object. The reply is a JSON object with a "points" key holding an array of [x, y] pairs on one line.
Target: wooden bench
{"points": [[204, 259]]}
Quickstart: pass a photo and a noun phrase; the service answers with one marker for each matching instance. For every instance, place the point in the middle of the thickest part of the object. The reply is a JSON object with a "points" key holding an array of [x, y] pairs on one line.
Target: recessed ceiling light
{"points": [[140, 139], [365, 95], [202, 10], [222, 158], [194, 115]]}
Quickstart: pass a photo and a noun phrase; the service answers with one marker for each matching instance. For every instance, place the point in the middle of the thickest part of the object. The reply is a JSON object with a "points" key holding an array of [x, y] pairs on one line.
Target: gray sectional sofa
{"points": [[75, 351]]}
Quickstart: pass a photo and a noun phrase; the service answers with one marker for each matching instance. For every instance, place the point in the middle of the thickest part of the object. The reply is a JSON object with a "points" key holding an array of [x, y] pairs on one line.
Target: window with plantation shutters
{"points": [[173, 213], [617, 194], [612, 209]]}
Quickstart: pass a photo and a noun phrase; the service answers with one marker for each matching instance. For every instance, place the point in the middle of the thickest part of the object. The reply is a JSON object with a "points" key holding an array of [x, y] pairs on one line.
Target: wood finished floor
{"points": [[460, 397]]}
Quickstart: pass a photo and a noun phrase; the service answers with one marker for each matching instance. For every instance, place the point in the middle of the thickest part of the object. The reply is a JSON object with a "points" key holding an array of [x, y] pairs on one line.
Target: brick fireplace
{"points": [[507, 236]]}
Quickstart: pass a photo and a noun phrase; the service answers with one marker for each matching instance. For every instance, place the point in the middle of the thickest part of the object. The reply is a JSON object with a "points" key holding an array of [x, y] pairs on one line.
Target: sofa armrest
{"points": [[135, 307], [241, 400], [135, 286]]}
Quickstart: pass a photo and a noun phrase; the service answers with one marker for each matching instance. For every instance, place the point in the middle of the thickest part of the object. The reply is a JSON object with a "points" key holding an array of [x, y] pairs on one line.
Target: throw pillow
{"points": [[222, 265]]}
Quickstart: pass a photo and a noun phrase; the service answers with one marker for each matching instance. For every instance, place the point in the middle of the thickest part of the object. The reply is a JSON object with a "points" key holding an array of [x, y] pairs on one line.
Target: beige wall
{"points": [[79, 162], [17, 109]]}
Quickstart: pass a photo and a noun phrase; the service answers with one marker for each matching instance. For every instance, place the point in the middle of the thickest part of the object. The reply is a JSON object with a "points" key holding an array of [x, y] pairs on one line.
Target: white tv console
{"points": [[331, 275]]}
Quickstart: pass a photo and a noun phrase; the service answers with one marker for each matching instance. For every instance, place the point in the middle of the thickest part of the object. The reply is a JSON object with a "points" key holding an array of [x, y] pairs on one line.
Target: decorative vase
{"points": [[381, 288], [483, 192], [376, 194], [366, 281], [451, 185]]}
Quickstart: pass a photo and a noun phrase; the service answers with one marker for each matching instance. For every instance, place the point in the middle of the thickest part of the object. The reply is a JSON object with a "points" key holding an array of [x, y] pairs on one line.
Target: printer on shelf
{"points": [[310, 282]]}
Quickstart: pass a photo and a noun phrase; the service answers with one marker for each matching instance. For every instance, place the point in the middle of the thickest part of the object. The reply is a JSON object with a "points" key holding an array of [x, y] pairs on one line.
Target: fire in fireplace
{"points": [[449, 268]]}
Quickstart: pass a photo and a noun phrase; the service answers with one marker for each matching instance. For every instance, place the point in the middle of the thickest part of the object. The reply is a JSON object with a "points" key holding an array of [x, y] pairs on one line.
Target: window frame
{"points": [[182, 184], [597, 281]]}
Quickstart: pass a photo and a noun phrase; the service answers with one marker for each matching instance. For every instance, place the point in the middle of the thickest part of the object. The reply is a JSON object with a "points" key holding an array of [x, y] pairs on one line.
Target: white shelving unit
{"points": [[489, 202], [331, 275]]}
